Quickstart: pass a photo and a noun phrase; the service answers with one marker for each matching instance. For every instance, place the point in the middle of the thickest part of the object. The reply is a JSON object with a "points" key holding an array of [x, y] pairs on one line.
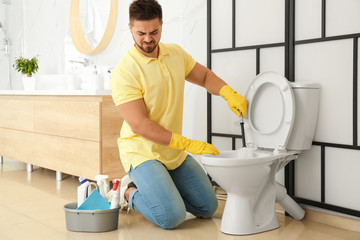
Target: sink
{"points": [[56, 82]]}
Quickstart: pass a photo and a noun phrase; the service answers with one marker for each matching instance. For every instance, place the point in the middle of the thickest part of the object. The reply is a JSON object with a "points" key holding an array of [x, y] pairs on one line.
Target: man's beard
{"points": [[147, 49]]}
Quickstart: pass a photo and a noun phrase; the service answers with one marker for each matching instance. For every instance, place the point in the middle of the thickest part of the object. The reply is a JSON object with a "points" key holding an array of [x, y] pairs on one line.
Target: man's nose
{"points": [[147, 38]]}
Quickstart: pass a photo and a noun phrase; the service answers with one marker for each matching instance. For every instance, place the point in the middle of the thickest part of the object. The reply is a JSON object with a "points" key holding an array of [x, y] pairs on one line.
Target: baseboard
{"points": [[332, 219]]}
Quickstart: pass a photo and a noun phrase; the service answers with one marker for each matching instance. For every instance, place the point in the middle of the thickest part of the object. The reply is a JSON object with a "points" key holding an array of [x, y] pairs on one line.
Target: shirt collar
{"points": [[163, 51]]}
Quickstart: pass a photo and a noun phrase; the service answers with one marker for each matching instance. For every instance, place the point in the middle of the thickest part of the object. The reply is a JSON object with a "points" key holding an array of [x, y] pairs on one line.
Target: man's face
{"points": [[146, 35]]}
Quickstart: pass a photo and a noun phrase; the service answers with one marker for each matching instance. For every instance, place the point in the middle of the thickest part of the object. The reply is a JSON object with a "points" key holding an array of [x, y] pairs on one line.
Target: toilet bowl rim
{"points": [[270, 157]]}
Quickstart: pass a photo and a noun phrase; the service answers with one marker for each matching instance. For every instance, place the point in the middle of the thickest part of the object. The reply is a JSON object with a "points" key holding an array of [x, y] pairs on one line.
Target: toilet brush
{"points": [[242, 131], [244, 152]]}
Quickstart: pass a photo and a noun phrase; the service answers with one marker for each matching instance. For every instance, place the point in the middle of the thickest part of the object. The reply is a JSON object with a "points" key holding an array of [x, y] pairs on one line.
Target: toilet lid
{"points": [[271, 111]]}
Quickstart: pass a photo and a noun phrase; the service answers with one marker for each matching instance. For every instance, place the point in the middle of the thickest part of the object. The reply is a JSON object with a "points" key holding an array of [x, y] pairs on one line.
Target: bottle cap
{"points": [[82, 180], [116, 184]]}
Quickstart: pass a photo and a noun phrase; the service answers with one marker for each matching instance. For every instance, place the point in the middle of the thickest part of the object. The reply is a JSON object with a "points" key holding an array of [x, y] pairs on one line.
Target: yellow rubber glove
{"points": [[192, 146], [236, 102]]}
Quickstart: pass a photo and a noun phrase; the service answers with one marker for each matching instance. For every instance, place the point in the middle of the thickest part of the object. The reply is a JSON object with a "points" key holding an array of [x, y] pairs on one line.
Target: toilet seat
{"points": [[271, 111]]}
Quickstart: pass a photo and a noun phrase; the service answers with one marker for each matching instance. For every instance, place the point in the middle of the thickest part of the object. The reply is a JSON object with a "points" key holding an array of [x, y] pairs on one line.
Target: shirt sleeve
{"points": [[189, 63], [124, 85]]}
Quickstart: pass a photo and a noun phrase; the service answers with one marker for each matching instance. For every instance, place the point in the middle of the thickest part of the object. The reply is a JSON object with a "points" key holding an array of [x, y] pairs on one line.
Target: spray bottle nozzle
{"points": [[116, 184]]}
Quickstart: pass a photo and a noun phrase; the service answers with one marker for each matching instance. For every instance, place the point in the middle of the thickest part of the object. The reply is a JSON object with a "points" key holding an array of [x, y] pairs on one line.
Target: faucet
{"points": [[85, 61]]}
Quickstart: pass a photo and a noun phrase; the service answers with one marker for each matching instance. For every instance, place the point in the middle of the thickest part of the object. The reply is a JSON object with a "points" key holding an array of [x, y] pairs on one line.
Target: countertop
{"points": [[56, 92]]}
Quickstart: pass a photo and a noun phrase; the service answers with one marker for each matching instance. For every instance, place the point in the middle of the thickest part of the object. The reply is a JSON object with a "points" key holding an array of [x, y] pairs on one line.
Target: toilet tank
{"points": [[306, 113]]}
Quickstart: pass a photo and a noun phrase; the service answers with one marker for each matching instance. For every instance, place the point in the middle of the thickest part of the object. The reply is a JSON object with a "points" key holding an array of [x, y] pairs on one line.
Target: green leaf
{"points": [[25, 65]]}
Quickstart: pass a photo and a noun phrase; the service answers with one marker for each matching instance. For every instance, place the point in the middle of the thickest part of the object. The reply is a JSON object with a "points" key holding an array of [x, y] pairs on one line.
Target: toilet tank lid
{"points": [[307, 85]]}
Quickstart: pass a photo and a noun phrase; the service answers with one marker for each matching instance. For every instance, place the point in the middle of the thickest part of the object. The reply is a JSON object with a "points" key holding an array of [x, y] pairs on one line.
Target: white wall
{"points": [[11, 18], [41, 27]]}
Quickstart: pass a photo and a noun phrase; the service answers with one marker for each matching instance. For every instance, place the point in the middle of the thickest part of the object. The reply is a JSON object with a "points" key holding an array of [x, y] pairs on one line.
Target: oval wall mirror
{"points": [[91, 43]]}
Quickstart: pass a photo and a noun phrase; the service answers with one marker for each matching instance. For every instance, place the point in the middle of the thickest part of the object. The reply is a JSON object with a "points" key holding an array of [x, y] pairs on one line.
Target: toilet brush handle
{"points": [[242, 131], [242, 134]]}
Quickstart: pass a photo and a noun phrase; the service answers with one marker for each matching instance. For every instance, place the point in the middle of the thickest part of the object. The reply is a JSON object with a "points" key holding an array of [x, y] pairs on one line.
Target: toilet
{"points": [[280, 123]]}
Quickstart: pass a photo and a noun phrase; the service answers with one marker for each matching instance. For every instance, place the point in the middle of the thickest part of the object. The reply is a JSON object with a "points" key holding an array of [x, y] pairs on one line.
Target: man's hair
{"points": [[145, 10]]}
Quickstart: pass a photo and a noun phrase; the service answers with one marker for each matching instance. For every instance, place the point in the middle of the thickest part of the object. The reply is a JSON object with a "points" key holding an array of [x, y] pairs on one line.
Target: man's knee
{"points": [[174, 217], [208, 210]]}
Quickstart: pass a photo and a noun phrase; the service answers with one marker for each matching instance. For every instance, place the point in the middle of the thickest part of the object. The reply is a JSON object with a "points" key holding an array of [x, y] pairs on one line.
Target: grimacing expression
{"points": [[146, 35]]}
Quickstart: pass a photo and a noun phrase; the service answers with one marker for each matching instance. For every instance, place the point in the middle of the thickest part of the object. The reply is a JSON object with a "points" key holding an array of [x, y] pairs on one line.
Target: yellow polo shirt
{"points": [[160, 82]]}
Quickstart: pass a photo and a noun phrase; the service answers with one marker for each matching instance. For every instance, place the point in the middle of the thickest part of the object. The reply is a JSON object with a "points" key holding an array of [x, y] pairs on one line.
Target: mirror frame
{"points": [[77, 32]]}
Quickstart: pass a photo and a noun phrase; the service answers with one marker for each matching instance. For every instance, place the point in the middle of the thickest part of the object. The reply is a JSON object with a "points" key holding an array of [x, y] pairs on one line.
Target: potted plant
{"points": [[28, 67]]}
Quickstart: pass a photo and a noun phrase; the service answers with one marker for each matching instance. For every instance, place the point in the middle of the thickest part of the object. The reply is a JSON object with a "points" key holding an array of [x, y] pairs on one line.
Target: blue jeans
{"points": [[164, 196]]}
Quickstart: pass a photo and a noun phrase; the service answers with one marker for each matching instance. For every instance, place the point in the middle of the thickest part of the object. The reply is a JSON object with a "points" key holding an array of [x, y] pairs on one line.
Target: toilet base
{"points": [[238, 218]]}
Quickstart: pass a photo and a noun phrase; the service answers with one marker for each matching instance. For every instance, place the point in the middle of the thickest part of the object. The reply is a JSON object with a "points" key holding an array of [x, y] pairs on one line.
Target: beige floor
{"points": [[31, 207]]}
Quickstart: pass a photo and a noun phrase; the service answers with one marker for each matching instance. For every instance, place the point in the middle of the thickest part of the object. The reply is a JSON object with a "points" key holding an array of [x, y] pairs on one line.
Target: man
{"points": [[163, 181]]}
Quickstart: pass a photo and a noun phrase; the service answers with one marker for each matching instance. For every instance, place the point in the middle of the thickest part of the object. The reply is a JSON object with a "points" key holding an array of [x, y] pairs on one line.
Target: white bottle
{"points": [[82, 190], [116, 195], [102, 184]]}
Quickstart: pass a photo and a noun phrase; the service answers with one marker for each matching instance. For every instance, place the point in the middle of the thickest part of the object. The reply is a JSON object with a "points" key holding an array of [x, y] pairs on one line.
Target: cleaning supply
{"points": [[82, 190], [116, 194], [244, 152], [109, 195], [94, 202], [192, 146], [89, 190], [102, 184], [242, 130], [237, 103]]}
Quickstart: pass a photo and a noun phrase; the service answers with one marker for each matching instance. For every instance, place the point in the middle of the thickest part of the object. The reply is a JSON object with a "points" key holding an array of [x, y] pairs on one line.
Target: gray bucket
{"points": [[90, 220]]}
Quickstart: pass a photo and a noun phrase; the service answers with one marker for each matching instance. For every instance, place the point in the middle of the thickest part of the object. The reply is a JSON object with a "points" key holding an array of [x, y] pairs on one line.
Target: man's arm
{"points": [[134, 113], [206, 78]]}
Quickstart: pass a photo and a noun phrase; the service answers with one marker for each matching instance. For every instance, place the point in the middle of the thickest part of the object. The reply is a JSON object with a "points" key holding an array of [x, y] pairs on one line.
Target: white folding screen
{"points": [[330, 65], [342, 17], [259, 22], [252, 36]]}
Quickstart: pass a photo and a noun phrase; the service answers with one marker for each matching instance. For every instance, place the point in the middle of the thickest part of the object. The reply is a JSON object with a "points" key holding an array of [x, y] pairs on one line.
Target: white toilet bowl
{"points": [[251, 189], [250, 181]]}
